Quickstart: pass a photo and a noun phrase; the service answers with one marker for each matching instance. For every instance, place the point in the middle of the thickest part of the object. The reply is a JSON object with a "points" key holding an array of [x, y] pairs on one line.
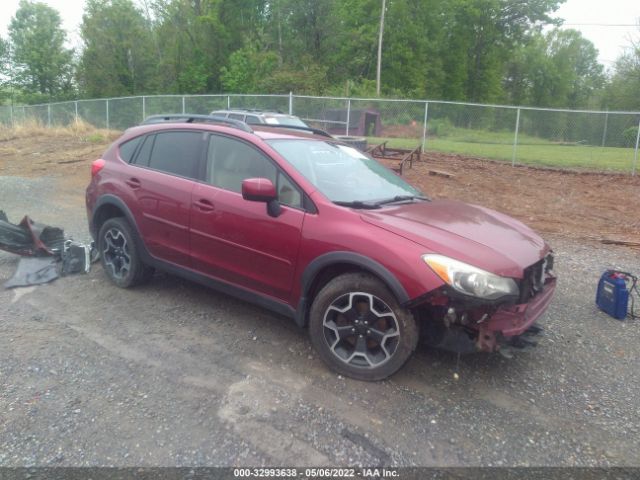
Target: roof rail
{"points": [[250, 110], [193, 118], [315, 131]]}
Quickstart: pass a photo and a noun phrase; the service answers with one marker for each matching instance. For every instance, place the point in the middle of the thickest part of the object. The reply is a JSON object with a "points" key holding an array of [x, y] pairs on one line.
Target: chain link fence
{"points": [[596, 140]]}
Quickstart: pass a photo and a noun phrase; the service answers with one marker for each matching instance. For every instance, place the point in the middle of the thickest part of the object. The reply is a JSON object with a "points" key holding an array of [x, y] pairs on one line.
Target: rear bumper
{"points": [[514, 320]]}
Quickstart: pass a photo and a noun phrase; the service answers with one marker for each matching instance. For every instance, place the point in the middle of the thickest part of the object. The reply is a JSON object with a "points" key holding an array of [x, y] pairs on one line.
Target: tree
{"points": [[622, 92], [480, 37], [118, 56], [4, 70], [42, 66], [247, 68], [559, 69]]}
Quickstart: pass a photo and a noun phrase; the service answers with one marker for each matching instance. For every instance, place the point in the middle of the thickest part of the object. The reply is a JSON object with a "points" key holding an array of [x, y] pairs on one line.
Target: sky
{"points": [[578, 14]]}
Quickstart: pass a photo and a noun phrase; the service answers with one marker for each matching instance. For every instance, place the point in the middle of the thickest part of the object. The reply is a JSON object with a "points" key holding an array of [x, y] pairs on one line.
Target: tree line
{"points": [[485, 51]]}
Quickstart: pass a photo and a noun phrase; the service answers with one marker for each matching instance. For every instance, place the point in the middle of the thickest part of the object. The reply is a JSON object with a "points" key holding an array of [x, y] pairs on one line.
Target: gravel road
{"points": [[174, 374]]}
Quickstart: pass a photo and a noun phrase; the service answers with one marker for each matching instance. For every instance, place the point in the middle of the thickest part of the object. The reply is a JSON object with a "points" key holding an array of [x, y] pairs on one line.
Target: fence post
{"points": [[12, 120], [183, 104], [290, 103], [144, 108], [49, 115], [107, 112], [228, 102], [606, 122], [348, 117], [635, 157], [424, 126], [515, 139], [76, 109]]}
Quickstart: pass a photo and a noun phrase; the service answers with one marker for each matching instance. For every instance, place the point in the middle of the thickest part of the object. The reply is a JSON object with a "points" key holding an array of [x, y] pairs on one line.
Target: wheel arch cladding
{"points": [[110, 206], [326, 267]]}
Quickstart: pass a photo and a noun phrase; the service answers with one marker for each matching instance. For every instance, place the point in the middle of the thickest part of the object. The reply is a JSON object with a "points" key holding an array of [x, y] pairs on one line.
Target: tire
{"points": [[119, 254], [353, 338], [356, 142]]}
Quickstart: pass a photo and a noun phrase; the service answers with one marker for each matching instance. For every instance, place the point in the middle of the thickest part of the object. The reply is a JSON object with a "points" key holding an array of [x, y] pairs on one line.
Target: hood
{"points": [[476, 235]]}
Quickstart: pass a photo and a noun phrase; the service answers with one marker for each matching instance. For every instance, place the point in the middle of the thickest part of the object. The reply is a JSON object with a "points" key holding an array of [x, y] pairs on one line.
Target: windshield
{"points": [[284, 120], [341, 173]]}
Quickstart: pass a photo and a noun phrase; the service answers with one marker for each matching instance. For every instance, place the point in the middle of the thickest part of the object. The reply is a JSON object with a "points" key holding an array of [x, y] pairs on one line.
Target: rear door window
{"points": [[252, 120], [177, 153]]}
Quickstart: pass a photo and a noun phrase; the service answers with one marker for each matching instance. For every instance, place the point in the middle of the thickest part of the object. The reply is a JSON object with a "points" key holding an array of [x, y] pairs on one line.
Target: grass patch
{"points": [[95, 137], [82, 130], [532, 151]]}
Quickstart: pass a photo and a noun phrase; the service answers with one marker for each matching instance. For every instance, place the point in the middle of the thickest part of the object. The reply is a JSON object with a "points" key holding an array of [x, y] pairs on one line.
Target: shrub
{"points": [[441, 127], [629, 136]]}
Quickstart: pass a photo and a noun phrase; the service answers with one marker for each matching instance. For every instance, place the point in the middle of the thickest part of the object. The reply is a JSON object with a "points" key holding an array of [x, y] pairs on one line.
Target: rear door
{"points": [[162, 184], [236, 240]]}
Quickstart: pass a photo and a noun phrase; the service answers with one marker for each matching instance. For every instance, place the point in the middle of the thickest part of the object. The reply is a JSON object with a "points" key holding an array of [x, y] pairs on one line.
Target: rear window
{"points": [[284, 120], [176, 153]]}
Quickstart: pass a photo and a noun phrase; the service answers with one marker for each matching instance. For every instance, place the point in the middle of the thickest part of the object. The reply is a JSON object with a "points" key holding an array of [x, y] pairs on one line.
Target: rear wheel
{"points": [[358, 328], [119, 255]]}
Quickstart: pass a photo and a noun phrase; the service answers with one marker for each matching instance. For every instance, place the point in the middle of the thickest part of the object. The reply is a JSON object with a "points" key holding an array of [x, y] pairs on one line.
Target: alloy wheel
{"points": [[116, 254], [361, 330]]}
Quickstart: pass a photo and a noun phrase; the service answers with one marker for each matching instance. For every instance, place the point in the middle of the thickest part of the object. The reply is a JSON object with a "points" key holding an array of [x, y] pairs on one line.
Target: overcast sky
{"points": [[609, 40]]}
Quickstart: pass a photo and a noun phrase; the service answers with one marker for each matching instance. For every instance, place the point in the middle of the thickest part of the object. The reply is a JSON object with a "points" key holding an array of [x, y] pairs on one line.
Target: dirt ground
{"points": [[581, 205], [572, 204], [174, 374]]}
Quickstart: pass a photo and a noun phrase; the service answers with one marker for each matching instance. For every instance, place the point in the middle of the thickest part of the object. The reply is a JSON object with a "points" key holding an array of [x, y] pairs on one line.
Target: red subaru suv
{"points": [[299, 223]]}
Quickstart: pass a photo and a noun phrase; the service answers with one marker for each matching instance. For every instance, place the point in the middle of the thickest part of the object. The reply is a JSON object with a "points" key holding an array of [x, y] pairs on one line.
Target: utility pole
{"points": [[384, 5]]}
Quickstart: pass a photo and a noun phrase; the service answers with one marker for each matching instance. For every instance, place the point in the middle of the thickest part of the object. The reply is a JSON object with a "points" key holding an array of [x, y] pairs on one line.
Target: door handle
{"points": [[133, 182], [205, 205]]}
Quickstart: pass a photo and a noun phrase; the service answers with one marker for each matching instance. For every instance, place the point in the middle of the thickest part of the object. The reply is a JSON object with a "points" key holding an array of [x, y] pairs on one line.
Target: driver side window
{"points": [[230, 161]]}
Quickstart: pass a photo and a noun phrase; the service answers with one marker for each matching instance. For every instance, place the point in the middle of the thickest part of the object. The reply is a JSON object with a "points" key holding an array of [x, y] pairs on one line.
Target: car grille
{"points": [[534, 277]]}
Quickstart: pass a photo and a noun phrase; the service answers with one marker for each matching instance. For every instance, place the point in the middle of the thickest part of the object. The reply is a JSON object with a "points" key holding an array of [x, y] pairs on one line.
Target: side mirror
{"points": [[262, 190], [258, 190]]}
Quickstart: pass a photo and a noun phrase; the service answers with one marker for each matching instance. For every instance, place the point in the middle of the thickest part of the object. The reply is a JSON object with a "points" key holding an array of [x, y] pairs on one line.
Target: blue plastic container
{"points": [[613, 296]]}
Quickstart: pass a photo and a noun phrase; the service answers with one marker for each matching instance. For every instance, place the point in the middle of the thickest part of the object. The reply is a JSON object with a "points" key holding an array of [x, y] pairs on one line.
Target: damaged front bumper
{"points": [[29, 238], [514, 320], [464, 325]]}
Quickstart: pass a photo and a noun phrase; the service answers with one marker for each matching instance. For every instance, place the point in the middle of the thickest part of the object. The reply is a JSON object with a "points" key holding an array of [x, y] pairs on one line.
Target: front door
{"points": [[235, 239]]}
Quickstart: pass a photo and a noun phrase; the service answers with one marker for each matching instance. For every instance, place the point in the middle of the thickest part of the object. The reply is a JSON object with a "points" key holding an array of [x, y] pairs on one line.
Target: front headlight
{"points": [[470, 280]]}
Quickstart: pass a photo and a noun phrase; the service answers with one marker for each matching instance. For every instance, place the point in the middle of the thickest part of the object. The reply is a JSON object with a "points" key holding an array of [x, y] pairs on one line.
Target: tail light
{"points": [[96, 166]]}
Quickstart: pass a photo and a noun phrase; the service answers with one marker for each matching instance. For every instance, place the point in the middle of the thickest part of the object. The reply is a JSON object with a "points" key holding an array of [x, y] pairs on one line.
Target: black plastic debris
{"points": [[29, 238], [33, 271], [77, 257], [46, 253]]}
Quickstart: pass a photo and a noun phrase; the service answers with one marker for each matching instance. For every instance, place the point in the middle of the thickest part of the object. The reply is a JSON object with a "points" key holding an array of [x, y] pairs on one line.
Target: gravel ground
{"points": [[174, 374]]}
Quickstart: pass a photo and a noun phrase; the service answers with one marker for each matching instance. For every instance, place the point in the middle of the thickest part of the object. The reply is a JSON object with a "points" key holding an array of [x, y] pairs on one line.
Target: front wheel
{"points": [[358, 328]]}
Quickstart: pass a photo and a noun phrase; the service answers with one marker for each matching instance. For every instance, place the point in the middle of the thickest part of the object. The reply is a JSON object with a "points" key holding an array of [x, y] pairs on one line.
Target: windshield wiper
{"points": [[401, 198], [358, 204]]}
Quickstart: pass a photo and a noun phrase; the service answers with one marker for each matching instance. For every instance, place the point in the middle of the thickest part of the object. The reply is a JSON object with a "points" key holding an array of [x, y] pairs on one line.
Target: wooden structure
{"points": [[398, 159]]}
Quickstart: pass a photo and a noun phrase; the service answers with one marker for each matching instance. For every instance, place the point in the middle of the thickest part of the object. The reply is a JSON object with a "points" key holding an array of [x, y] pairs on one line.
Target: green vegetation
{"points": [[530, 150], [95, 138], [483, 51]]}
